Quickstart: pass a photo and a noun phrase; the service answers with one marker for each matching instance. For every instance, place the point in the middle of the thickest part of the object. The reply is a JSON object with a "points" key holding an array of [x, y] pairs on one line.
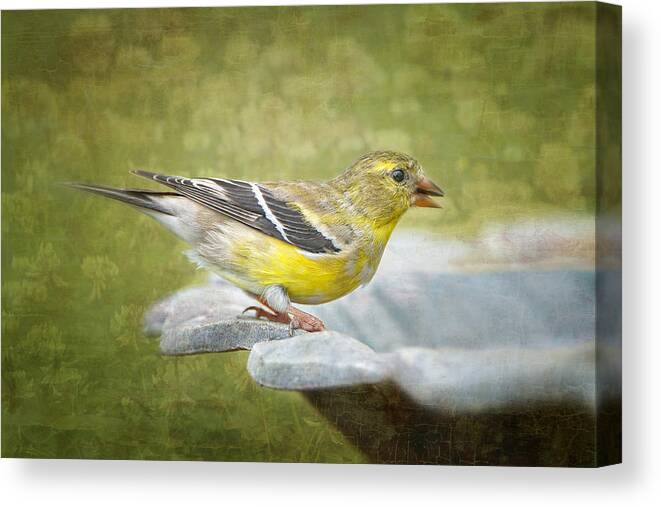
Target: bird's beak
{"points": [[423, 192]]}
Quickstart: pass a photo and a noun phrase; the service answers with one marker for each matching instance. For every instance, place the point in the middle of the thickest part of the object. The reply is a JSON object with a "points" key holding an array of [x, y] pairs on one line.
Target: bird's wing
{"points": [[252, 205]]}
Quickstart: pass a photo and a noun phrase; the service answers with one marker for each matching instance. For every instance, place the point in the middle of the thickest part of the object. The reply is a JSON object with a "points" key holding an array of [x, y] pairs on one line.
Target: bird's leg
{"points": [[297, 319]]}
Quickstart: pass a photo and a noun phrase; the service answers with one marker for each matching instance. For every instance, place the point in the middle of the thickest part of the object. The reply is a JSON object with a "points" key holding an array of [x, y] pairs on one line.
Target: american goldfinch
{"points": [[288, 242]]}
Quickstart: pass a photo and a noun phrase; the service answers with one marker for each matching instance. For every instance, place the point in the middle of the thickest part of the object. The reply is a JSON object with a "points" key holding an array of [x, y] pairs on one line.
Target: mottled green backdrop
{"points": [[496, 101]]}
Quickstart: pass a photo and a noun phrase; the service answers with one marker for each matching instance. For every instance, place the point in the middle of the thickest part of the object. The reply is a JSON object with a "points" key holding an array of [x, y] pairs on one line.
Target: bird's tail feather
{"points": [[145, 199]]}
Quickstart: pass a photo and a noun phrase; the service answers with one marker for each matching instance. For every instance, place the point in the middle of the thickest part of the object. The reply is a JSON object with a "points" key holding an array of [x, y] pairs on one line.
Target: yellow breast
{"points": [[260, 261]]}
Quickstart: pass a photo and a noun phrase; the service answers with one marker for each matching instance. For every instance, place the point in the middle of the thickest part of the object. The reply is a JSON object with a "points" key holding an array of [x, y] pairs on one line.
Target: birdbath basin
{"points": [[434, 362]]}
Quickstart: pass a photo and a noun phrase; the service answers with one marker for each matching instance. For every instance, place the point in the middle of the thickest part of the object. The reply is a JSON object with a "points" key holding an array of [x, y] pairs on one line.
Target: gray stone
{"points": [[468, 340], [200, 305], [508, 352], [492, 378], [209, 318], [316, 361], [222, 336]]}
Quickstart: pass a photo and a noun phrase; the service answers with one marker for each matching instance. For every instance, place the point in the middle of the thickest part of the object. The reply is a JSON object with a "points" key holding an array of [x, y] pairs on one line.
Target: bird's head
{"points": [[384, 184]]}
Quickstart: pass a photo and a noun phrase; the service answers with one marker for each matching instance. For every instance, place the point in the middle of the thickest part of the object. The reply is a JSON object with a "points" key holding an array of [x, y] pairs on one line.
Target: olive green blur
{"points": [[497, 102]]}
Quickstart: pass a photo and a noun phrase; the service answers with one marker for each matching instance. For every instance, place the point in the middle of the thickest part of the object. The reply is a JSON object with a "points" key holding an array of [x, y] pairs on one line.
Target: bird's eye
{"points": [[398, 175]]}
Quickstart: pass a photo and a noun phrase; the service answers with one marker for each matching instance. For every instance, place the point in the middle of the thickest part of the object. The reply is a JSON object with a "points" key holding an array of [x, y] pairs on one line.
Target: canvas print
{"points": [[339, 234]]}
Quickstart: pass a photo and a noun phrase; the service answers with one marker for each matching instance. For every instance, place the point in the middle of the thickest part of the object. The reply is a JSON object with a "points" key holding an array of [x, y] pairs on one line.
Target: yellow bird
{"points": [[289, 242]]}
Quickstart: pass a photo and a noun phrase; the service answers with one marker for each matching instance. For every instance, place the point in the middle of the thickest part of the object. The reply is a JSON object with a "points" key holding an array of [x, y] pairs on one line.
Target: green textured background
{"points": [[497, 102]]}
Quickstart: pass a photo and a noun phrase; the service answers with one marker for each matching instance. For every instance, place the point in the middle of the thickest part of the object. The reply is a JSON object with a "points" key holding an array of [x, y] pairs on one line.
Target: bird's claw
{"points": [[260, 312]]}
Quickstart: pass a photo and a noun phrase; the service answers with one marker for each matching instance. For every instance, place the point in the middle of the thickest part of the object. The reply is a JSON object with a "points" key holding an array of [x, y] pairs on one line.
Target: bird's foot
{"points": [[297, 319], [306, 321]]}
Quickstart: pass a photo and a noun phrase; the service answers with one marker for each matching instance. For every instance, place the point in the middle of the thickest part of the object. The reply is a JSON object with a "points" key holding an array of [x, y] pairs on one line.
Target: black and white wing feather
{"points": [[252, 205]]}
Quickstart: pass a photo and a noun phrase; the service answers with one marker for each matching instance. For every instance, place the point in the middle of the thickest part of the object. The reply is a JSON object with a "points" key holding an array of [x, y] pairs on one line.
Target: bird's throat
{"points": [[382, 232]]}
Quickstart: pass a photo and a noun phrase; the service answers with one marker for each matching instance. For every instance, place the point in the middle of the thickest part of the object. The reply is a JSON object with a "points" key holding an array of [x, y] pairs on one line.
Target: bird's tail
{"points": [[147, 200]]}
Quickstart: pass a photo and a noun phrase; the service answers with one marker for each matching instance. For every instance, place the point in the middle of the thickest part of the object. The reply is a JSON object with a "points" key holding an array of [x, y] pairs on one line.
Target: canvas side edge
{"points": [[608, 230]]}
